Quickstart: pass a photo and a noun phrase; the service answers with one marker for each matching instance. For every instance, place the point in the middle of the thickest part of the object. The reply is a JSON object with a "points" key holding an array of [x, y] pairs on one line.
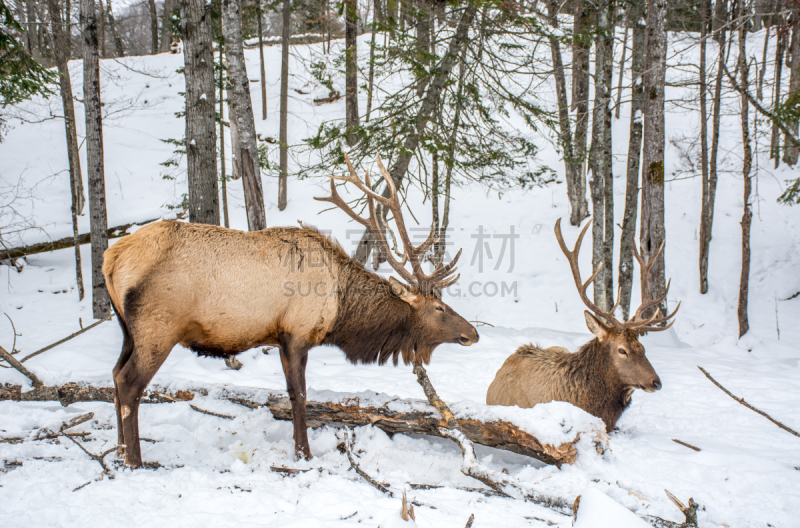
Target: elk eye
{"points": [[439, 308], [623, 352]]}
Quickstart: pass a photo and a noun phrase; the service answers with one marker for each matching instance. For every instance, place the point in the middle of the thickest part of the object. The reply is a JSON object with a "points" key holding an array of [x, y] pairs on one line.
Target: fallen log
{"points": [[67, 242], [421, 418], [333, 96]]}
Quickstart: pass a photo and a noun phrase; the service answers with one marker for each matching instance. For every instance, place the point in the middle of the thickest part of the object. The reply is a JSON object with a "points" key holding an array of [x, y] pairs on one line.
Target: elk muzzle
{"points": [[468, 338]]}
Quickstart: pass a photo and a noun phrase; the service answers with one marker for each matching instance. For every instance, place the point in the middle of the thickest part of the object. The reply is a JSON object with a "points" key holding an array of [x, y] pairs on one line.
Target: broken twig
{"points": [[684, 444], [21, 368], [76, 334], [741, 400], [212, 413]]}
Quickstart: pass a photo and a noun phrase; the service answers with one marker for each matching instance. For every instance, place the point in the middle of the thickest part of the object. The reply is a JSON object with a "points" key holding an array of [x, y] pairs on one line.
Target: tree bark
{"points": [[65, 84], [112, 25], [351, 72], [284, 117], [747, 216], [101, 304], [652, 231], [260, 15], [166, 27], [223, 179], [622, 66], [413, 136], [790, 150], [102, 29], [153, 27], [602, 178], [582, 42], [201, 140], [775, 138], [627, 238], [242, 106], [703, 238], [572, 168], [376, 20]]}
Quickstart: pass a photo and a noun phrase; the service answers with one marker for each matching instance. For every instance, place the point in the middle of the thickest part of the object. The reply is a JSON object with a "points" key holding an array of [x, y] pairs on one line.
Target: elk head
{"points": [[432, 322], [619, 339]]}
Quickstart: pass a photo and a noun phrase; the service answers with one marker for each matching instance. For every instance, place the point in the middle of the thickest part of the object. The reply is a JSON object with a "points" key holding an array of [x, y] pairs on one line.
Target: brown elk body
{"points": [[220, 291], [601, 377]]}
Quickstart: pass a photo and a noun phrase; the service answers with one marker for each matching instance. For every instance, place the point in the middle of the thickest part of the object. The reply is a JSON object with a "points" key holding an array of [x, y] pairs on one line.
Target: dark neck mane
{"points": [[605, 395], [371, 325]]}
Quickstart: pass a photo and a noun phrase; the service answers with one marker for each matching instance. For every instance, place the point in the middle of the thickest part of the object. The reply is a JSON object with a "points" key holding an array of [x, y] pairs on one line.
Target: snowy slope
{"points": [[216, 472]]}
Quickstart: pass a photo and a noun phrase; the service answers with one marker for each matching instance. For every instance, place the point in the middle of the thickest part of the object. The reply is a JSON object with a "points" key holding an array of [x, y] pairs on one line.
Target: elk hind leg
{"points": [[294, 358], [132, 379]]}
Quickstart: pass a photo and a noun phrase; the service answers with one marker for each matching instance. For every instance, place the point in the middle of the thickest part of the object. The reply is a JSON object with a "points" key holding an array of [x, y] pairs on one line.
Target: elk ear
{"points": [[403, 291], [600, 330]]}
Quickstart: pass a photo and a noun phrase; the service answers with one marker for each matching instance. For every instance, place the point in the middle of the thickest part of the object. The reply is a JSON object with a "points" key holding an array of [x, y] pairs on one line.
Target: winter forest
{"points": [[400, 263]]}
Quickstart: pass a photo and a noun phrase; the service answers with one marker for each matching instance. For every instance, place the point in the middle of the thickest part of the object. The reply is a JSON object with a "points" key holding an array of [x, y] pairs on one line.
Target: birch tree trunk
{"points": [[652, 232], [602, 178], [572, 168], [201, 140], [284, 117], [580, 101], [153, 27], [627, 238], [101, 304], [413, 136], [223, 179], [242, 106], [351, 71], [790, 150], [166, 27], [622, 65], [747, 215], [59, 44], [377, 19]]}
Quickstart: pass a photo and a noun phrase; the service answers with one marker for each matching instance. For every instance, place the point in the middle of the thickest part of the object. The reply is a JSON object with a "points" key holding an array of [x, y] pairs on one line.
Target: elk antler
{"points": [[441, 277], [572, 258], [637, 322]]}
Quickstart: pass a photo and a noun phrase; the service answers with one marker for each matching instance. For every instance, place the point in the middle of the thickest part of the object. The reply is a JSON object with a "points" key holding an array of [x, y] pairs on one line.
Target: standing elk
{"points": [[603, 374], [220, 291]]}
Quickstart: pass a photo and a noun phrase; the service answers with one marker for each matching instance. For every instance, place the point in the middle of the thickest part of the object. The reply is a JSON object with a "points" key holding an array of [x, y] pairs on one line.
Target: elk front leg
{"points": [[294, 357]]}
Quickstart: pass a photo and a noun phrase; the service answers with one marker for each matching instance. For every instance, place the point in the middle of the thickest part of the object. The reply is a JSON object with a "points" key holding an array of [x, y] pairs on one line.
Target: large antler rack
{"points": [[636, 323], [441, 277]]}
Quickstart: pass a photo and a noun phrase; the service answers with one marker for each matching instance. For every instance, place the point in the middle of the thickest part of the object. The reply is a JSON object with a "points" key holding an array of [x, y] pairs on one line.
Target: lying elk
{"points": [[219, 292], [603, 374]]}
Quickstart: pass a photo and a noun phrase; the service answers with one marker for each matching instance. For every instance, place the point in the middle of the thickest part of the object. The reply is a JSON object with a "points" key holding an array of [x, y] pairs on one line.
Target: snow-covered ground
{"points": [[216, 472]]}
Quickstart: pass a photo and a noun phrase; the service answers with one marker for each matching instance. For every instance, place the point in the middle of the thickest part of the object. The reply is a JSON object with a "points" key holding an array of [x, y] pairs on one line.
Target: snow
{"points": [[598, 510], [216, 472]]}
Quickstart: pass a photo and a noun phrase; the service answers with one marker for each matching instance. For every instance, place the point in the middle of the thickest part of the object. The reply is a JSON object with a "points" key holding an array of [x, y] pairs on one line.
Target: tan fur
{"points": [[598, 378]]}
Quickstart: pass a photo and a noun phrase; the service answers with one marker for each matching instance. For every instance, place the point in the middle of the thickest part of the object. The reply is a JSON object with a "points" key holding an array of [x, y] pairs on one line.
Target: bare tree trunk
{"points": [[763, 70], [775, 138], [709, 198], [101, 304], [375, 20], [602, 178], [112, 25], [242, 106], [58, 41], [423, 40], [328, 25], [166, 27], [153, 27], [30, 26], [704, 239], [652, 232], [351, 72], [747, 216], [413, 136], [261, 60], [223, 175], [201, 141], [627, 238], [284, 118], [572, 169], [580, 100], [790, 150], [622, 67]]}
